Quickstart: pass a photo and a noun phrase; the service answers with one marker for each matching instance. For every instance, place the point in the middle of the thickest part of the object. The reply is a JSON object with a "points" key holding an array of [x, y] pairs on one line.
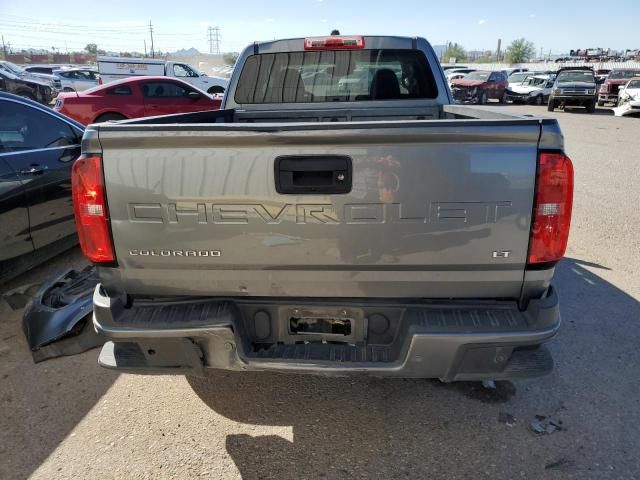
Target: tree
{"points": [[519, 51], [91, 48], [453, 51], [230, 58]]}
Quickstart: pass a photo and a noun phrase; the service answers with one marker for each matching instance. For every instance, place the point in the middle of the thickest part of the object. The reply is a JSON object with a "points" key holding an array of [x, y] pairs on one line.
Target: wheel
{"points": [[551, 105], [105, 117], [503, 98], [591, 107], [26, 94], [600, 104], [482, 98], [539, 100], [215, 89]]}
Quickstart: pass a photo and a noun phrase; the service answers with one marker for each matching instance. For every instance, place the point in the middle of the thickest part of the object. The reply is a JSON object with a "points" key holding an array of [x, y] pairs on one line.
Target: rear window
{"points": [[478, 76], [335, 76], [620, 74], [120, 90]]}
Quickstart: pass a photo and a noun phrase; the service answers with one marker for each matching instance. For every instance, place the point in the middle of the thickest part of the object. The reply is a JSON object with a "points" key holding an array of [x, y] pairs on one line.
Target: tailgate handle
{"points": [[313, 174]]}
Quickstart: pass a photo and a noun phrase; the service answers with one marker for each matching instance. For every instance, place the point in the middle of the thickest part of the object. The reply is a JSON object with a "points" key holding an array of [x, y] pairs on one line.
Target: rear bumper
{"points": [[449, 341]]}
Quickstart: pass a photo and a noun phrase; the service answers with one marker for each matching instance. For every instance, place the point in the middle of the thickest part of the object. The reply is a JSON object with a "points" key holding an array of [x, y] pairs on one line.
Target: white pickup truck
{"points": [[117, 68]]}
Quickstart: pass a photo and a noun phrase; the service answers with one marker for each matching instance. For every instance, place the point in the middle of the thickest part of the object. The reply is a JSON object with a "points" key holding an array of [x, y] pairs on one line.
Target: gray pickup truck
{"points": [[337, 216]]}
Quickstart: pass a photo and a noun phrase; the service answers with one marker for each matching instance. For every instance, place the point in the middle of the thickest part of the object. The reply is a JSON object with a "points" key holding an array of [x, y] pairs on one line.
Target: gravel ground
{"points": [[67, 418]]}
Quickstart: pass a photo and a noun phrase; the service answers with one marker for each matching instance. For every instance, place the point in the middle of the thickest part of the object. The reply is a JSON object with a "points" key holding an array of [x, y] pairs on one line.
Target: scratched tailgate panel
{"points": [[434, 211]]}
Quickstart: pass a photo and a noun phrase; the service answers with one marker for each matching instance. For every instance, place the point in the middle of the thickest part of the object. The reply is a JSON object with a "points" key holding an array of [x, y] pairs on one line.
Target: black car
{"points": [[37, 148], [32, 89], [574, 87]]}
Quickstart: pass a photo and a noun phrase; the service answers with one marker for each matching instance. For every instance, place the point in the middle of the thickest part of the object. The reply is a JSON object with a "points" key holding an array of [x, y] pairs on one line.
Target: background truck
{"points": [[117, 68], [314, 225]]}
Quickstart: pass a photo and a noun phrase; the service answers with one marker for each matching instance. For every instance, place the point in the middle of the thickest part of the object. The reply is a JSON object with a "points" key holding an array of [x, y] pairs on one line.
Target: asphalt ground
{"points": [[68, 418]]}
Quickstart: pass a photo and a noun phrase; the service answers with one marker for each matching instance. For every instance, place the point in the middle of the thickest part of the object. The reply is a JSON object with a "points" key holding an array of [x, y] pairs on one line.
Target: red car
{"points": [[479, 87], [617, 79], [134, 97]]}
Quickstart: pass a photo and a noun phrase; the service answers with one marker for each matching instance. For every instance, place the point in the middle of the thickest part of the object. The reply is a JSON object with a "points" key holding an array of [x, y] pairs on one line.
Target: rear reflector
{"points": [[552, 209], [334, 43], [89, 206]]}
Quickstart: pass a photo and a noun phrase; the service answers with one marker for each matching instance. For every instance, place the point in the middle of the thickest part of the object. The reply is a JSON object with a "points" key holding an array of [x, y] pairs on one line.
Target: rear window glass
{"points": [[620, 74], [121, 90], [335, 76]]}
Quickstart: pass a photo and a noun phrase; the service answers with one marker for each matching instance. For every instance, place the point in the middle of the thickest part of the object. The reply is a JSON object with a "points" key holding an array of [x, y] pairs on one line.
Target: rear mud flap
{"points": [[57, 320]]}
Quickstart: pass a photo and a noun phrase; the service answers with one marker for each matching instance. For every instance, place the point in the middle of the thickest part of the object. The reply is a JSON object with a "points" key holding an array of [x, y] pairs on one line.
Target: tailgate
{"points": [[435, 208]]}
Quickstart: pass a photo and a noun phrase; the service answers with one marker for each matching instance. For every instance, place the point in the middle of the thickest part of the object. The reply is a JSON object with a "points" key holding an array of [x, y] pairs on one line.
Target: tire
{"points": [[539, 100], [591, 107], [600, 104], [105, 117], [68, 89], [482, 98], [215, 89], [551, 105], [503, 98], [26, 94]]}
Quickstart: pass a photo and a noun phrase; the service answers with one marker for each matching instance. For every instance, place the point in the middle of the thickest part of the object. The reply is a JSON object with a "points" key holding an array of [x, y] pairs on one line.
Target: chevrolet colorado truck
{"points": [[330, 227]]}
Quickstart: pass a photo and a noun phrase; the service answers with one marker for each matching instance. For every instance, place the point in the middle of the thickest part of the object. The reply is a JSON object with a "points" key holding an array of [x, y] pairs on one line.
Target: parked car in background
{"points": [[19, 71], [629, 99], [629, 92], [77, 79], [601, 75], [33, 89], [37, 148], [535, 89], [132, 98], [517, 78], [117, 68], [479, 87], [511, 71], [457, 72], [574, 87], [617, 78]]}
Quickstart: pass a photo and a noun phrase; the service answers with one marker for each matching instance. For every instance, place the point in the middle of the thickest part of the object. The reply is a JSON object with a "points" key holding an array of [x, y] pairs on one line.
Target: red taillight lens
{"points": [[334, 43], [552, 209], [90, 208], [99, 81]]}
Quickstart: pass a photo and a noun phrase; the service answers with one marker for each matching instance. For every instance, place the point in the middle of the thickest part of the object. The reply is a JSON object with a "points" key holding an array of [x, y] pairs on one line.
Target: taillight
{"points": [[604, 88], [99, 81], [90, 209], [334, 42], [552, 208]]}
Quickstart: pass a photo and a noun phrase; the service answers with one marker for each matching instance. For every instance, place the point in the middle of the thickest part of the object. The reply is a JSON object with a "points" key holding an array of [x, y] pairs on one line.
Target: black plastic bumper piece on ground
{"points": [[450, 341], [57, 320]]}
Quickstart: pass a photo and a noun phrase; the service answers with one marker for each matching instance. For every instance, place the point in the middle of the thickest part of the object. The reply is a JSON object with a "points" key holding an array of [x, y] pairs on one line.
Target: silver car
{"points": [[77, 79]]}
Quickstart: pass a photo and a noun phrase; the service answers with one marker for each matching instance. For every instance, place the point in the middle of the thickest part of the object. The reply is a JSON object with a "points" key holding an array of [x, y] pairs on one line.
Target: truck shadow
{"points": [[388, 428]]}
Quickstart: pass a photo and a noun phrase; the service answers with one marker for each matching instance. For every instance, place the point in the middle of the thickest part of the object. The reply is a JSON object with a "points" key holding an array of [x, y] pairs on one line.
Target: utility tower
{"points": [[213, 33], [151, 32]]}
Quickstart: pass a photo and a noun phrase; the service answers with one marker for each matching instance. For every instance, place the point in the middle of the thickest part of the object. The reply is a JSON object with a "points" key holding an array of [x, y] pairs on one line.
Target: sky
{"points": [[116, 25]]}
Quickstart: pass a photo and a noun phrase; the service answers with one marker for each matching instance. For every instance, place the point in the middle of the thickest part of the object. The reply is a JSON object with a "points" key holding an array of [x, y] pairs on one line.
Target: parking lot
{"points": [[68, 418]]}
